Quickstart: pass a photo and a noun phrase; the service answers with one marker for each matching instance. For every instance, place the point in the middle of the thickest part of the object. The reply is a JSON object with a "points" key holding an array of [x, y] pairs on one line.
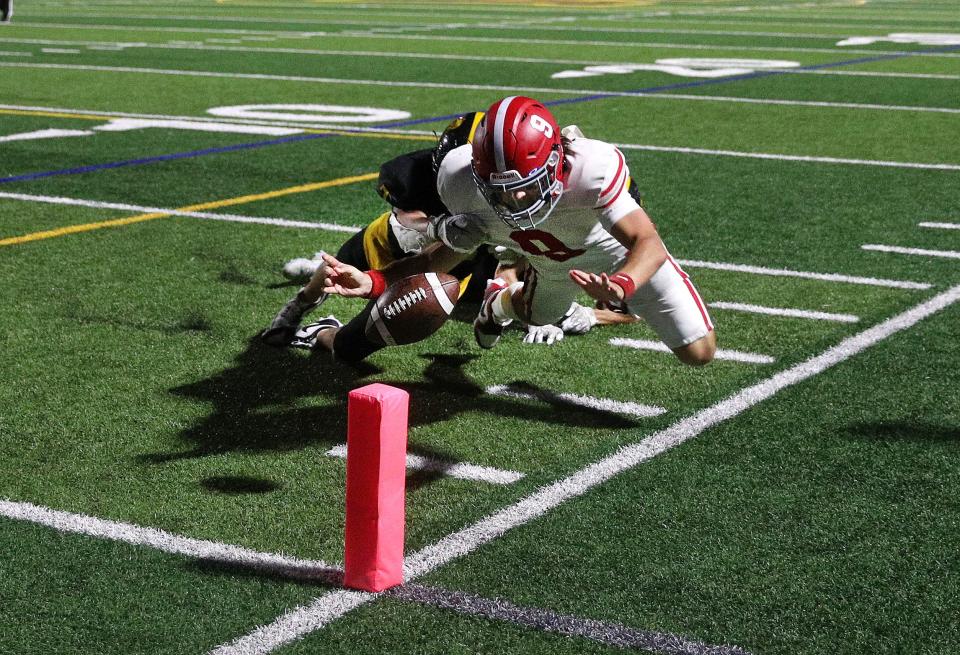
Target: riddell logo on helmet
{"points": [[505, 177]]}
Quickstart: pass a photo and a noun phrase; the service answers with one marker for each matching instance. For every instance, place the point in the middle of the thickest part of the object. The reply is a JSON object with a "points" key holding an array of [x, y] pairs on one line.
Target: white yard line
{"points": [[211, 551], [659, 346], [587, 402], [141, 209], [329, 607], [481, 87], [460, 470], [783, 311], [783, 272], [802, 103], [923, 252], [723, 266], [941, 226], [800, 158]]}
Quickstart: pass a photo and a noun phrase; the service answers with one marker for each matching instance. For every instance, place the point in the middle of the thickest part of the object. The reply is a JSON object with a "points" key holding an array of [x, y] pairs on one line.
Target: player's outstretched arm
{"points": [[350, 282], [646, 254]]}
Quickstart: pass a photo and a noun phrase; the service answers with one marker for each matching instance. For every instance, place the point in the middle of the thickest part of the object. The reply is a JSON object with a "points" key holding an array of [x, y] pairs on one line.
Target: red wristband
{"points": [[379, 283], [625, 282]]}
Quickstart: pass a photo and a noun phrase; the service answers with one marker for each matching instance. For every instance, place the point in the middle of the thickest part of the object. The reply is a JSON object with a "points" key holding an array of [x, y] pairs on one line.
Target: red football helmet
{"points": [[518, 161]]}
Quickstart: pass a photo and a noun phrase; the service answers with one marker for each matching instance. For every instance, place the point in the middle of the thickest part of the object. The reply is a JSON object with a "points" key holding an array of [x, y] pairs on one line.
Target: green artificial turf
{"points": [[135, 388]]}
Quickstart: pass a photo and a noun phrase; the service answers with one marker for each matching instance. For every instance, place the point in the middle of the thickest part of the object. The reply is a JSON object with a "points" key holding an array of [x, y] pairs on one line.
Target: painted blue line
{"points": [[433, 119], [160, 158]]}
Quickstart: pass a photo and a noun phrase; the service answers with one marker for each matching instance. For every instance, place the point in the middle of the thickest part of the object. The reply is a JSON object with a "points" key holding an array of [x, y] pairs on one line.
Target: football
{"points": [[412, 309]]}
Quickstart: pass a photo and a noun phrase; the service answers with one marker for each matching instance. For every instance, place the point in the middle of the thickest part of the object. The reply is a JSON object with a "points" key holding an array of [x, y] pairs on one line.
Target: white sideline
{"points": [[900, 250], [783, 311], [659, 346], [782, 272], [460, 470], [589, 402], [942, 226], [140, 209], [481, 87], [212, 551], [327, 608]]}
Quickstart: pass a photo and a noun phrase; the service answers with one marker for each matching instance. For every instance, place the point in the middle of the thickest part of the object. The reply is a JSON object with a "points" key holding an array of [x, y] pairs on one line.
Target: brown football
{"points": [[412, 309]]}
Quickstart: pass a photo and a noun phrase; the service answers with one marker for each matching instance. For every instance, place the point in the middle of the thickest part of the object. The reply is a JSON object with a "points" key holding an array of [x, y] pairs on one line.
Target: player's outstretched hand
{"points": [[598, 287], [345, 280]]}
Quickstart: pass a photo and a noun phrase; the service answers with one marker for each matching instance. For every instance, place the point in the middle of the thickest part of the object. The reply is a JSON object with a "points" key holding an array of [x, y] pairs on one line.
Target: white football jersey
{"points": [[575, 235]]}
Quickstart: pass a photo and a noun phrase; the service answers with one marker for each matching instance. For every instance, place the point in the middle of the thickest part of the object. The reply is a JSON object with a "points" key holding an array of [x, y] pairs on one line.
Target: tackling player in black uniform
{"points": [[408, 184]]}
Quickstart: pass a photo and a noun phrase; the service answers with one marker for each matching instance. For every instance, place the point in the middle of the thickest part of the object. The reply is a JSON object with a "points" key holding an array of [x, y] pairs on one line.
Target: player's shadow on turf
{"points": [[257, 404], [901, 431], [448, 391]]}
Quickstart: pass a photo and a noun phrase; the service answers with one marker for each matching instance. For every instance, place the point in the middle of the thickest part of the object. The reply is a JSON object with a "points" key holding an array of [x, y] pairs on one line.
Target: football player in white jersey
{"points": [[562, 200]]}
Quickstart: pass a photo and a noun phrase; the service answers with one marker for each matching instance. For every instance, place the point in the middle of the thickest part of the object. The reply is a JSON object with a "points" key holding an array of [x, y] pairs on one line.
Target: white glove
{"points": [[460, 232], [547, 334], [411, 241], [578, 319]]}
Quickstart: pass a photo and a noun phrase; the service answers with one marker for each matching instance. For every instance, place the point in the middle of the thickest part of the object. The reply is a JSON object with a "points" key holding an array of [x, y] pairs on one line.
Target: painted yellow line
{"points": [[94, 117], [52, 114], [216, 204]]}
